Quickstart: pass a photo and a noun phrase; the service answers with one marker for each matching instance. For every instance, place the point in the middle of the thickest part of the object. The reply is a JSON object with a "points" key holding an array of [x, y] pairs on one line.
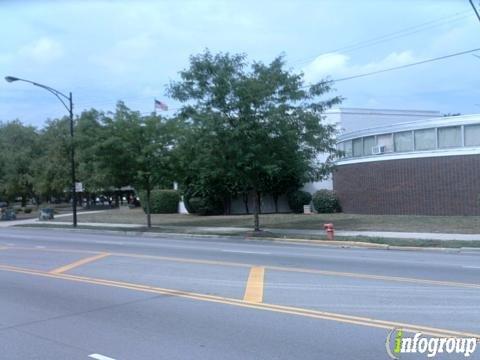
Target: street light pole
{"points": [[72, 162], [69, 106]]}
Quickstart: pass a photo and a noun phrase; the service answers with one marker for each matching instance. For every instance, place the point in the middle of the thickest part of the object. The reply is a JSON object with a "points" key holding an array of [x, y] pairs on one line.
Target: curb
{"points": [[297, 241]]}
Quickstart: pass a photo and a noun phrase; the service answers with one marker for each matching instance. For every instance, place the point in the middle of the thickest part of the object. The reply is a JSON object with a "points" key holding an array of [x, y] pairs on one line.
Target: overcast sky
{"points": [[104, 51]]}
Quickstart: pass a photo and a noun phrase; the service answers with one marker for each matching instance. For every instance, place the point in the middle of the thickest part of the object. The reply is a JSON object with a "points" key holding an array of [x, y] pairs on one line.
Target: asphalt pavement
{"points": [[90, 295]]}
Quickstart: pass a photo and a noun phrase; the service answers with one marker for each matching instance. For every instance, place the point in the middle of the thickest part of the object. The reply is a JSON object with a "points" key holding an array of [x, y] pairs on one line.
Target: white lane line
{"points": [[471, 267], [246, 252], [100, 357]]}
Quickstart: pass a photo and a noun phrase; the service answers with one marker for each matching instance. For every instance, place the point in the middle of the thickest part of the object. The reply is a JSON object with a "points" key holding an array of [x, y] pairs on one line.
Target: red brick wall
{"points": [[448, 185]]}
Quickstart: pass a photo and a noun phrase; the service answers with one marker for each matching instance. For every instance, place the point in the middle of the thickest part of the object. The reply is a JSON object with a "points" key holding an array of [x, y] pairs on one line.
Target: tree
{"points": [[203, 171], [52, 167], [89, 135], [18, 153], [137, 151], [264, 120]]}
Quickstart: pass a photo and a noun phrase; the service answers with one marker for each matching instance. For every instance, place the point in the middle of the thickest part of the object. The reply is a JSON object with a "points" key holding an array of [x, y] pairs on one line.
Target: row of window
{"points": [[413, 140]]}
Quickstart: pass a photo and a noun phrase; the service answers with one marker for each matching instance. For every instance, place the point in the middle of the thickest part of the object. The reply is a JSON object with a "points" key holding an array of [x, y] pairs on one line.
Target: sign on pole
{"points": [[78, 187]]}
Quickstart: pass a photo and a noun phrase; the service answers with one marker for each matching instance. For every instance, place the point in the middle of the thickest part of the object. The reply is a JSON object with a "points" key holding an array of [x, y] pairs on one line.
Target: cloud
{"points": [[45, 50], [336, 65], [126, 54]]}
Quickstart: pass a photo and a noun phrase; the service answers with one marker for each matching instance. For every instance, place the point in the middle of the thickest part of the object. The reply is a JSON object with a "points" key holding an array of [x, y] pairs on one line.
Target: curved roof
{"points": [[413, 125]]}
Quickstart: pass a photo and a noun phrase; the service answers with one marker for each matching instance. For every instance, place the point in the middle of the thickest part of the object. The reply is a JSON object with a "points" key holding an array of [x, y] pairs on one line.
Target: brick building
{"points": [[429, 166]]}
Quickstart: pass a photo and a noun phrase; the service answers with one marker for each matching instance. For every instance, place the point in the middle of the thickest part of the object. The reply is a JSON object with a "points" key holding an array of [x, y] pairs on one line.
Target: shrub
{"points": [[204, 206], [297, 199], [27, 210], [161, 201], [186, 201], [325, 201]]}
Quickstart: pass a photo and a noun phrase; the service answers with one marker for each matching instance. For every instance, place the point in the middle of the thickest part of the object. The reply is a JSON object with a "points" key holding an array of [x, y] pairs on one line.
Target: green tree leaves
{"points": [[256, 127]]}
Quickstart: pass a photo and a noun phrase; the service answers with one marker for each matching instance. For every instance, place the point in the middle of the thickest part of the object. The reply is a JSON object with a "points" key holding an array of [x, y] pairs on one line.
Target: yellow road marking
{"points": [[272, 267], [356, 320], [78, 263], [254, 288]]}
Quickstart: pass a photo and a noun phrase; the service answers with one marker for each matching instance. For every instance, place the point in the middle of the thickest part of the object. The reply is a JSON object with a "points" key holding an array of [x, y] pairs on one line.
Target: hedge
{"points": [[161, 201], [297, 199], [325, 201]]}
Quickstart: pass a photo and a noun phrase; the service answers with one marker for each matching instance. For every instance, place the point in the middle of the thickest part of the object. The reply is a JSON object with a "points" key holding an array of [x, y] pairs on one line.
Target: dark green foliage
{"points": [[161, 201], [18, 156], [325, 201], [27, 210], [250, 127], [297, 199], [205, 206], [186, 201]]}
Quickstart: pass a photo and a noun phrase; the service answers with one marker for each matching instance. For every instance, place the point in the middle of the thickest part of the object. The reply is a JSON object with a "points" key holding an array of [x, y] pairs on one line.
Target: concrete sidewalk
{"points": [[279, 232], [10, 223]]}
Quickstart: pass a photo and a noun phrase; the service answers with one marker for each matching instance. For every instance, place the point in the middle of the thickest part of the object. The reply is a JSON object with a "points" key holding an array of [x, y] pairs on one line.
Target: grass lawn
{"points": [[405, 223]]}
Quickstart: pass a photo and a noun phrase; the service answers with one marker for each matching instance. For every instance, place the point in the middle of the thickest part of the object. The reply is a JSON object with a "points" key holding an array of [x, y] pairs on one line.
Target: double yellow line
{"points": [[348, 319], [246, 265]]}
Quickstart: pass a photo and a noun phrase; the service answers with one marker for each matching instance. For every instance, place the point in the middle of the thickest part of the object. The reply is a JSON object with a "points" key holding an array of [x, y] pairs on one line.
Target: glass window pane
{"points": [[449, 137], [385, 140], [357, 147], [425, 139], [368, 143], [348, 148], [403, 141], [472, 135]]}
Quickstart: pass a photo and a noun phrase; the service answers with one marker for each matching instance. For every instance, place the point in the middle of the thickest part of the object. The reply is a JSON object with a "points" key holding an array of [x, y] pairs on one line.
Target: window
{"points": [[348, 148], [368, 143], [472, 135], [357, 147], [449, 137], [425, 139], [403, 141], [385, 140]]}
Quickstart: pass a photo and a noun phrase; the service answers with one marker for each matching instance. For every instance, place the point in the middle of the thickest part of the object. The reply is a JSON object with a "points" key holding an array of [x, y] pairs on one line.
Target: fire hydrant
{"points": [[329, 230]]}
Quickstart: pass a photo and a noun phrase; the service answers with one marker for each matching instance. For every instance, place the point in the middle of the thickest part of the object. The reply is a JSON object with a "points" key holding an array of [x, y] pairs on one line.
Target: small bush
{"points": [[161, 201], [297, 199], [27, 210], [204, 206], [18, 210], [325, 201]]}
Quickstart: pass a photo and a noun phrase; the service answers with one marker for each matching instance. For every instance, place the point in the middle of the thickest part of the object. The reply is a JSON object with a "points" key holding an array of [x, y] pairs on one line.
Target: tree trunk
{"points": [[256, 210], [259, 200], [116, 200], [245, 201], [24, 201], [147, 208]]}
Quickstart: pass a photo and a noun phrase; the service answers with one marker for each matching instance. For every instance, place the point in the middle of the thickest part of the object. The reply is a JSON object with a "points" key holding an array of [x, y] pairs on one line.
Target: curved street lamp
{"points": [[68, 104]]}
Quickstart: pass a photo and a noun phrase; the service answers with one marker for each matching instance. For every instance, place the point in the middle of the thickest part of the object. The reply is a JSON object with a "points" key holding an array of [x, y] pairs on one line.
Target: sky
{"points": [[105, 51]]}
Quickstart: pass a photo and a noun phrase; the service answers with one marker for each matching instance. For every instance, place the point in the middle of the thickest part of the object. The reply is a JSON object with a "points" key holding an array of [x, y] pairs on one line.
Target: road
{"points": [[91, 295]]}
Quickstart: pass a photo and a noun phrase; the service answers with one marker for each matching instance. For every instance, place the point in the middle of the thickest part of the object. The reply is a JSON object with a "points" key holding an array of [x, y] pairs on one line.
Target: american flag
{"points": [[160, 105]]}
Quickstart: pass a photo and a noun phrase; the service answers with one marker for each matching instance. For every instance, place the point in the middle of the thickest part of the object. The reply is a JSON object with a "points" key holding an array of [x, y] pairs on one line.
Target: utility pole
{"points": [[475, 10], [72, 162]]}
